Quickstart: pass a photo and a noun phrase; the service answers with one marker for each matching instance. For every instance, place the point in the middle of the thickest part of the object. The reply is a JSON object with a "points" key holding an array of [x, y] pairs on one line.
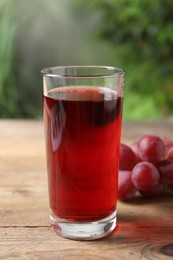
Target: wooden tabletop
{"points": [[145, 225]]}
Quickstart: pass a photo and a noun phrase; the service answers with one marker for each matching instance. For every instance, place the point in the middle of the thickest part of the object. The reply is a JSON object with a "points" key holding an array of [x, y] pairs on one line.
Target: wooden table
{"points": [[145, 226]]}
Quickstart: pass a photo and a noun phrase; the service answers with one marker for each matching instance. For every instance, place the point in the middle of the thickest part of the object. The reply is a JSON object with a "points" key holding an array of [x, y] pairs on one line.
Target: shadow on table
{"points": [[153, 233], [138, 200]]}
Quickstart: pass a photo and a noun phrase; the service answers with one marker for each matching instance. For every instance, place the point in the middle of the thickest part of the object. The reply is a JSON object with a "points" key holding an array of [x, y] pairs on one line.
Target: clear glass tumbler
{"points": [[82, 118]]}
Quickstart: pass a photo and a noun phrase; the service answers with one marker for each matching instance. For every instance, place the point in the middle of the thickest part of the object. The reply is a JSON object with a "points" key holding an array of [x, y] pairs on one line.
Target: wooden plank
{"points": [[145, 226], [134, 130], [133, 241]]}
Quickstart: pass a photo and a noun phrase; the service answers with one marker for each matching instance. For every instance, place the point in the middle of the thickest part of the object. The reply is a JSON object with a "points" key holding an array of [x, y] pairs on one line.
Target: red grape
{"points": [[145, 176], [155, 191], [127, 158], [135, 148], [170, 153], [126, 189], [151, 148], [168, 143], [165, 168]]}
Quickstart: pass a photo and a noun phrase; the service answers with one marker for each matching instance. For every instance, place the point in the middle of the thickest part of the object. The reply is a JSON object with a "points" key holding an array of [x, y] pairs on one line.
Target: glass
{"points": [[82, 118]]}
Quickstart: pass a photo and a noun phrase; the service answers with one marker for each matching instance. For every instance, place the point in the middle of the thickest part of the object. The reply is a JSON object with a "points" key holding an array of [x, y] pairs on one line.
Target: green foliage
{"points": [[135, 35], [8, 93], [141, 32], [11, 97]]}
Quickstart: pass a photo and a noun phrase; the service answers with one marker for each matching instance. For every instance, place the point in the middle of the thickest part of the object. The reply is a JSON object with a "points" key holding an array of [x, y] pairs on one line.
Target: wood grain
{"points": [[145, 226]]}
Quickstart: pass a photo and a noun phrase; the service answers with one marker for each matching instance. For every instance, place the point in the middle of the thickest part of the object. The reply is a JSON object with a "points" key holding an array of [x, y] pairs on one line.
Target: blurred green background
{"points": [[135, 35]]}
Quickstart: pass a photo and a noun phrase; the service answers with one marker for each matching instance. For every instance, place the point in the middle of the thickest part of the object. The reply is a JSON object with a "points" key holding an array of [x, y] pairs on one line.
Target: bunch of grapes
{"points": [[146, 166]]}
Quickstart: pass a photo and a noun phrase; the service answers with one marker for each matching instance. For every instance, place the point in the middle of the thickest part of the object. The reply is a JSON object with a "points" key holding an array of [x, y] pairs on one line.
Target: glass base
{"points": [[84, 230]]}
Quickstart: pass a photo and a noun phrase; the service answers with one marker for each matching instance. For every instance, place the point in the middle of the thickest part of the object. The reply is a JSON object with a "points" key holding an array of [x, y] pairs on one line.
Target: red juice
{"points": [[82, 131]]}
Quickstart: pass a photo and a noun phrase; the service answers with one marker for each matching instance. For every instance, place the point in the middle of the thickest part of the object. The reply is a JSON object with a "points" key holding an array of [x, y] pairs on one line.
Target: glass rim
{"points": [[114, 71]]}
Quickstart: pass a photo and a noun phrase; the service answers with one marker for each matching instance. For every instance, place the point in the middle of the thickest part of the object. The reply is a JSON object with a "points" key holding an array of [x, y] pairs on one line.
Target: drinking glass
{"points": [[82, 119]]}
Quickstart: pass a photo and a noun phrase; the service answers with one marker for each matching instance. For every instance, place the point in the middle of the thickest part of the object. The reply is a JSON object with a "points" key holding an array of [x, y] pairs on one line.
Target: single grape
{"points": [[145, 176], [154, 192], [170, 153], [135, 148], [168, 143], [127, 158], [126, 189], [151, 148], [165, 168]]}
